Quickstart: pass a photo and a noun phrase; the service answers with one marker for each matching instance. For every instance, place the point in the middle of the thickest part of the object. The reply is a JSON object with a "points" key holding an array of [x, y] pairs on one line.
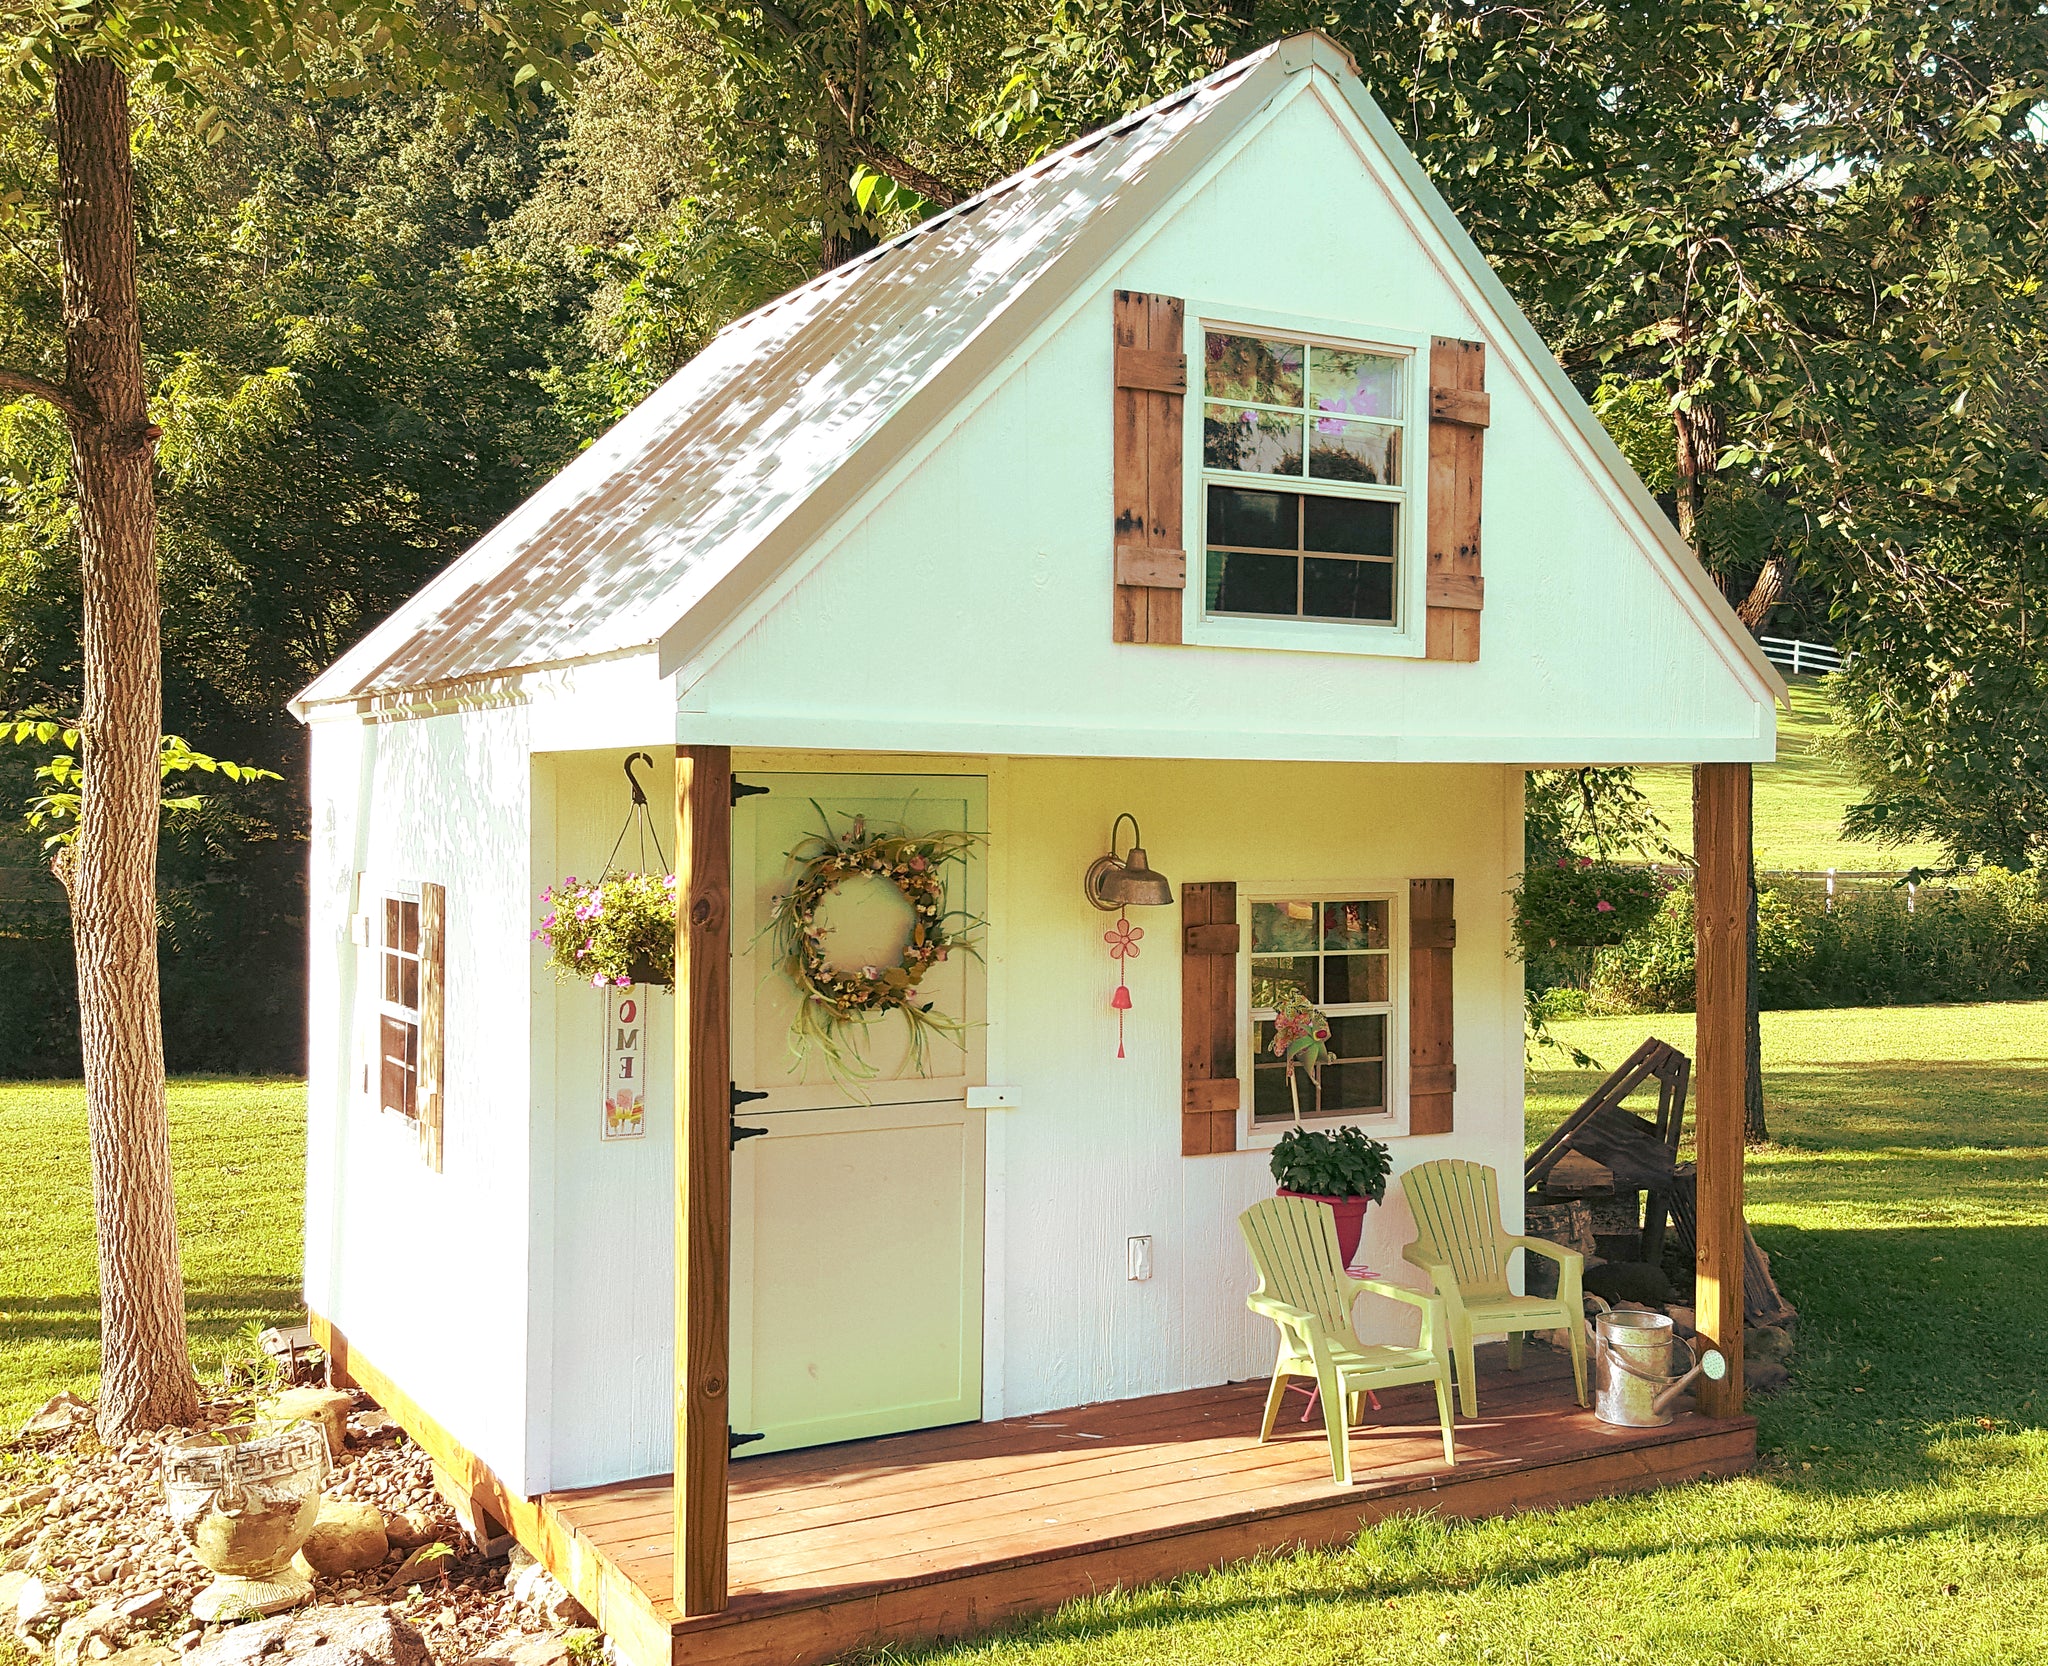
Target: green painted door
{"points": [[857, 1227]]}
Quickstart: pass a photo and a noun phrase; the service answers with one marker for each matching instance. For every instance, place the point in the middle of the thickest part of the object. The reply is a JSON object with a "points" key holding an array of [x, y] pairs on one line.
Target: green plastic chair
{"points": [[1304, 1289], [1462, 1245]]}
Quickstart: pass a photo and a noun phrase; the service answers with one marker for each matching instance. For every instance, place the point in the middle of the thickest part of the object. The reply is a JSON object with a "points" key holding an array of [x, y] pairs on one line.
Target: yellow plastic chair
{"points": [[1462, 1245], [1304, 1289]]}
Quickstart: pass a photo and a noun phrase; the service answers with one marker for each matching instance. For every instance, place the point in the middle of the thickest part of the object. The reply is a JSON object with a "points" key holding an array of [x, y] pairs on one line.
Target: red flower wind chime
{"points": [[1122, 939]]}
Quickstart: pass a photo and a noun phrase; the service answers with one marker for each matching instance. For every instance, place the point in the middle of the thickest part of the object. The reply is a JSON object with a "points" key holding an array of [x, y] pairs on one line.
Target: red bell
{"points": [[1121, 1000]]}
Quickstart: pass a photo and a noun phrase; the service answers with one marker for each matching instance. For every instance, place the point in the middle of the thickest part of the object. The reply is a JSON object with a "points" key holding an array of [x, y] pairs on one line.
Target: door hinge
{"points": [[744, 1096], [745, 789], [735, 1440]]}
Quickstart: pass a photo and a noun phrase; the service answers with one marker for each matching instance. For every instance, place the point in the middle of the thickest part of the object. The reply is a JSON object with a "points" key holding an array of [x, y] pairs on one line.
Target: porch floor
{"points": [[949, 1531]]}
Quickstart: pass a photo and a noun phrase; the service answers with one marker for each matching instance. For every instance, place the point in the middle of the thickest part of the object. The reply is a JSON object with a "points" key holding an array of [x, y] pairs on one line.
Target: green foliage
{"points": [[1335, 1162], [62, 775], [1599, 812], [1983, 937], [1637, 417], [618, 930], [1580, 902]]}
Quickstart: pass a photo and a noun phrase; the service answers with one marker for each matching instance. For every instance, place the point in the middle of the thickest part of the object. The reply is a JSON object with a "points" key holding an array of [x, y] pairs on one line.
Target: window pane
{"points": [[1270, 1098], [1361, 1035], [1349, 978], [1367, 452], [1263, 520], [1342, 526], [408, 937], [1357, 384], [409, 984], [1283, 927], [1352, 1088], [393, 982], [1253, 583], [391, 926], [1250, 367], [1355, 925], [1251, 442], [1334, 589], [1272, 978]]}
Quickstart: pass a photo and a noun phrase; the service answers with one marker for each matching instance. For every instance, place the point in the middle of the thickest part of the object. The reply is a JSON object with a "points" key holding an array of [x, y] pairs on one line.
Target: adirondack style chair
{"points": [[1304, 1289], [1462, 1245]]}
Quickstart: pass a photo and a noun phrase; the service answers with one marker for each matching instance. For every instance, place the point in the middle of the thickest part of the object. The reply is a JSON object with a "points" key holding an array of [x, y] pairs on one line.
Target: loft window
{"points": [[1304, 479], [398, 1006], [1338, 952]]}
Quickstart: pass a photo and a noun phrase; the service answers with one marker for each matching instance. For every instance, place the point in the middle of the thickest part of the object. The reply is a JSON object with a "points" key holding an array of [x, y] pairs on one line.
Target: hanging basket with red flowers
{"points": [[1585, 902]]}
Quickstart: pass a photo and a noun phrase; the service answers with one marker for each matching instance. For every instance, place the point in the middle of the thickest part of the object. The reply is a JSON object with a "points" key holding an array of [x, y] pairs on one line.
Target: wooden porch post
{"points": [[703, 1224], [1721, 847]]}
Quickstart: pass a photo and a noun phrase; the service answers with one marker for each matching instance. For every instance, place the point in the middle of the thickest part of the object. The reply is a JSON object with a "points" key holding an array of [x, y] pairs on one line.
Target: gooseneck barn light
{"points": [[1126, 881]]}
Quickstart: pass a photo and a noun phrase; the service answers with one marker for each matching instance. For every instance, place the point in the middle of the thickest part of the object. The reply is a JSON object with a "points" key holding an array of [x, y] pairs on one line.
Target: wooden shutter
{"points": [[1432, 1061], [1151, 400], [1208, 1019], [1458, 416], [433, 1016]]}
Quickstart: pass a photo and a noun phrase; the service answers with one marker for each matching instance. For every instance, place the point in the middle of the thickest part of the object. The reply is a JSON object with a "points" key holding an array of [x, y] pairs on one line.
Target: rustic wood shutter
{"points": [[433, 1017], [1458, 414], [1151, 399], [1208, 1019], [1432, 1061]]}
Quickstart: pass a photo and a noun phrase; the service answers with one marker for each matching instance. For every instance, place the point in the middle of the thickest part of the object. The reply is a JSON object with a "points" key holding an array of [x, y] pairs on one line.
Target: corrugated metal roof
{"points": [[616, 549]]}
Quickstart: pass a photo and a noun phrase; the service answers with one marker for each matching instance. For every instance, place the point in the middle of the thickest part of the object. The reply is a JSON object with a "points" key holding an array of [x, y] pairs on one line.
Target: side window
{"points": [[398, 1007], [1305, 462], [1336, 953]]}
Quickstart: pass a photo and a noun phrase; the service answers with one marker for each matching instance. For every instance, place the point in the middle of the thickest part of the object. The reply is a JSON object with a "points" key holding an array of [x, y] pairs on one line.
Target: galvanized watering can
{"points": [[1633, 1384]]}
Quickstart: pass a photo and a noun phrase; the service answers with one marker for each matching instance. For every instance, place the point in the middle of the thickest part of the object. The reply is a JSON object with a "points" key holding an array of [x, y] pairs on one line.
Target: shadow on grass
{"points": [[76, 1318]]}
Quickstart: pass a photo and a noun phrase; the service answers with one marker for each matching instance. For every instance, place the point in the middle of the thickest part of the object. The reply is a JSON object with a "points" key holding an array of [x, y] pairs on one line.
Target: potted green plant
{"points": [[620, 929], [1343, 1167]]}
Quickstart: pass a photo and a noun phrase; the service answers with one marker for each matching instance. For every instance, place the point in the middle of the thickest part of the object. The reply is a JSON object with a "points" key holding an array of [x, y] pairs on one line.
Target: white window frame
{"points": [[1393, 1121], [1404, 638], [373, 891]]}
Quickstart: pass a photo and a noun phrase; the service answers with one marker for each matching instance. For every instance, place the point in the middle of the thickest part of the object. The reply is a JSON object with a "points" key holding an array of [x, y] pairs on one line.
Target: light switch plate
{"points": [[1141, 1257]]}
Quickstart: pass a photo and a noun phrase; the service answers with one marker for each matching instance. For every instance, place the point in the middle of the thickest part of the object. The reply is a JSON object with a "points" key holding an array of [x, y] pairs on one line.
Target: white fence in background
{"points": [[1802, 659]]}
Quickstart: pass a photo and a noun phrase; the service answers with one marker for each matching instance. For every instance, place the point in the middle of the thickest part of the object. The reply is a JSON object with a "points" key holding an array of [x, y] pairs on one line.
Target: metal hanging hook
{"points": [[632, 780]]}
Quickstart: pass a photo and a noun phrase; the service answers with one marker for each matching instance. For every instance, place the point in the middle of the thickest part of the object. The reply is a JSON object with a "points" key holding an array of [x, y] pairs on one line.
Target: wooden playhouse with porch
{"points": [[1149, 483]]}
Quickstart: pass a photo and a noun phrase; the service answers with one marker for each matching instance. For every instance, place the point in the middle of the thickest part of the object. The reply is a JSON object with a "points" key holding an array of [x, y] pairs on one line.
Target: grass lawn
{"points": [[1799, 799], [1901, 1513], [238, 1150]]}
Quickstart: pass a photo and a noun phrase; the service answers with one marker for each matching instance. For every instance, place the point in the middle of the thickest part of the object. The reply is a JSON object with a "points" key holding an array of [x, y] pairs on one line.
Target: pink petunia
{"points": [[1603, 906]]}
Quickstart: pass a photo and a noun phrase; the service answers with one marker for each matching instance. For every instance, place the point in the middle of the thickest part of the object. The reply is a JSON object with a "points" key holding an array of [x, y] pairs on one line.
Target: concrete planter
{"points": [[245, 1503]]}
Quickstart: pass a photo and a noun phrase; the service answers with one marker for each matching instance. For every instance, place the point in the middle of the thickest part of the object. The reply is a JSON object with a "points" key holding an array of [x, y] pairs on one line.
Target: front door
{"points": [[857, 1218]]}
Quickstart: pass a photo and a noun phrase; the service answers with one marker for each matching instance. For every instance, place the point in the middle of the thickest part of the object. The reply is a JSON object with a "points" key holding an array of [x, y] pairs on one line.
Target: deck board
{"points": [[929, 1534]]}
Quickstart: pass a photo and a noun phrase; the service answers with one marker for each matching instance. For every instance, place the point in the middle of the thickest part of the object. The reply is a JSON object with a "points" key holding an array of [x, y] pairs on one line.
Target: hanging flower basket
{"points": [[617, 930], [1580, 902]]}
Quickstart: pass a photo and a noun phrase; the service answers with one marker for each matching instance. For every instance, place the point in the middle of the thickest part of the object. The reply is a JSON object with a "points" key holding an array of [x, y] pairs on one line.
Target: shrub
{"points": [[1577, 900], [1984, 937], [1343, 1162]]}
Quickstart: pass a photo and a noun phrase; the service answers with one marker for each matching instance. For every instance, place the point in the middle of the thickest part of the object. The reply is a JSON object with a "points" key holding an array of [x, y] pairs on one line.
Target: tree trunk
{"points": [[1700, 431], [146, 1372], [842, 232], [1771, 587], [1755, 1130]]}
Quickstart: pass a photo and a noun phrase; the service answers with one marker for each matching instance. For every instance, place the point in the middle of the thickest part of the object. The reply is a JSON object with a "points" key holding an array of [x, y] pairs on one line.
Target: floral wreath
{"points": [[835, 1006]]}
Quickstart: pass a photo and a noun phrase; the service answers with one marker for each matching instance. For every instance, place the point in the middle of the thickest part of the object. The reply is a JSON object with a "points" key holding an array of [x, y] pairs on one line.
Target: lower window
{"points": [[398, 1007], [1337, 953]]}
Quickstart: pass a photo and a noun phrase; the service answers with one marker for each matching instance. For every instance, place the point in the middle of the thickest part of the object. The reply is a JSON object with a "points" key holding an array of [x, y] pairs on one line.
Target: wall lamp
{"points": [[1126, 881]]}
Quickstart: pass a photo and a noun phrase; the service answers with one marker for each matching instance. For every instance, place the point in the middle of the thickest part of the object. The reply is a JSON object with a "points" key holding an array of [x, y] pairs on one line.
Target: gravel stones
{"points": [[328, 1635]]}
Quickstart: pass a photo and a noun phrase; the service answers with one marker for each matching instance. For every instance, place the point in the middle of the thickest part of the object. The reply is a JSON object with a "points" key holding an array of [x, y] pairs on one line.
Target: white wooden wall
{"points": [[424, 1272]]}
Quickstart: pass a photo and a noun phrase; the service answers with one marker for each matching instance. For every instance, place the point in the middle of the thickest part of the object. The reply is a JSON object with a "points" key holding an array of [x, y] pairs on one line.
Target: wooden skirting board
{"points": [[952, 1531]]}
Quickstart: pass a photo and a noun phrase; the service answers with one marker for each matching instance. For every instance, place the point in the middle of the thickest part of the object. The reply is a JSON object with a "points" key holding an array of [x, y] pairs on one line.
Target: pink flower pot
{"points": [[1350, 1213]]}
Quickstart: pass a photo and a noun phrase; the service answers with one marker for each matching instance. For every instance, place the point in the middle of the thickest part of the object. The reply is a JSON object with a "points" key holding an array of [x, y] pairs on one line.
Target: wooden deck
{"points": [[953, 1530]]}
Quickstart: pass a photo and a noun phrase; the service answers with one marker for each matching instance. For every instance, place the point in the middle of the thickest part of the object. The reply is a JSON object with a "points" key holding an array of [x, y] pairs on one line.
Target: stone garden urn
{"points": [[245, 1502]]}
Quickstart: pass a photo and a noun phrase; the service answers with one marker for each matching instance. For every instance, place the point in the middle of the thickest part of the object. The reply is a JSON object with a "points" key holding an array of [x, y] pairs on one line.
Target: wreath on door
{"points": [[835, 1004]]}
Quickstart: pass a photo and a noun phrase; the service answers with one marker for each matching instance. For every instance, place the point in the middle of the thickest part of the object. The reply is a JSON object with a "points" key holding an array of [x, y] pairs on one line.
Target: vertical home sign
{"points": [[625, 1063]]}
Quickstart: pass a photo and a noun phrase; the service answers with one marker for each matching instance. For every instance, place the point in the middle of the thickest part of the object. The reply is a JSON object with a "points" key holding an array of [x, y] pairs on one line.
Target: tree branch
{"points": [[926, 185], [19, 381]]}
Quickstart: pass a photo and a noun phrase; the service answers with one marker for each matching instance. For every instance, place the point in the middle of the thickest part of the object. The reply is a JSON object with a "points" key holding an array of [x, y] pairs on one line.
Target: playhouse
{"points": [[1149, 483]]}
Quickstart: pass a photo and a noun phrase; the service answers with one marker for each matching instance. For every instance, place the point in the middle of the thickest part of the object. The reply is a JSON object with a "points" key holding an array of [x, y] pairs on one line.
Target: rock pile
{"points": [[92, 1571]]}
